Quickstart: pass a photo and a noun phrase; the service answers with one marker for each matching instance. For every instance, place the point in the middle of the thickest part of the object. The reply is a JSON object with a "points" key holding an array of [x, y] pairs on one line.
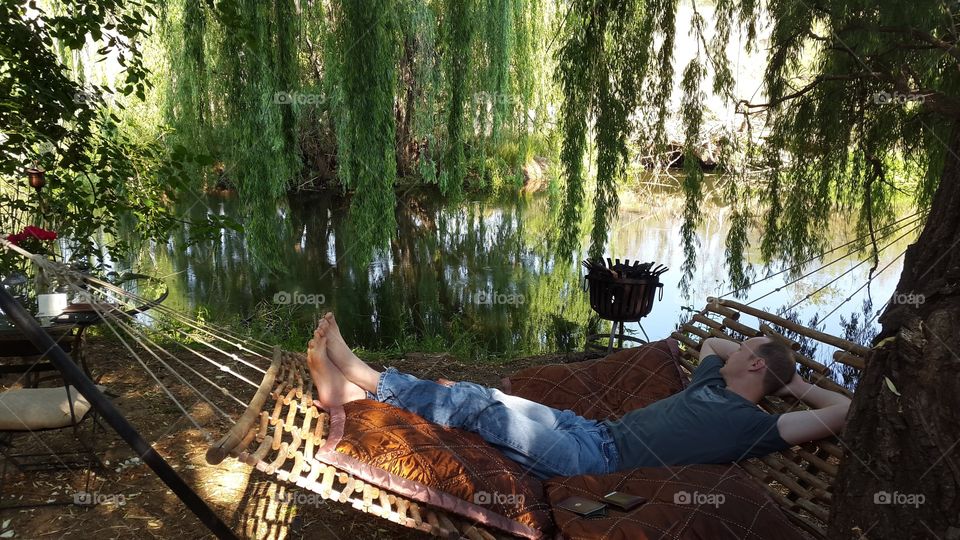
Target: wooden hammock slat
{"points": [[840, 343], [768, 331], [787, 506], [686, 364], [815, 481], [849, 359], [219, 451], [719, 308], [831, 448], [740, 327], [448, 526], [472, 533], [264, 424], [771, 473], [697, 331], [706, 321], [817, 462], [261, 452], [685, 340], [783, 471], [719, 334], [819, 511]]}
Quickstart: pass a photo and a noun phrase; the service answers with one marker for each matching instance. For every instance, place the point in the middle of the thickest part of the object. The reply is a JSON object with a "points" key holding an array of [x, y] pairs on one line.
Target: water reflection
{"points": [[474, 276]]}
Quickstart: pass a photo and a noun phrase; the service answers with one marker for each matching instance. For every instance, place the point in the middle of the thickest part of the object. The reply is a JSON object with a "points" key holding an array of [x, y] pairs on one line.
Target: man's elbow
{"points": [[841, 416]]}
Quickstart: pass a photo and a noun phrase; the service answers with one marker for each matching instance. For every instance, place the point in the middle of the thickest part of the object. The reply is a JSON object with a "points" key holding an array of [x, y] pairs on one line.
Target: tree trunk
{"points": [[900, 477]]}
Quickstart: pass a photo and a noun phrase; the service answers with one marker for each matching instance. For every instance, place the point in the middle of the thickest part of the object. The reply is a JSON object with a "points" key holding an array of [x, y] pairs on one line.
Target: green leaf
{"points": [[890, 386]]}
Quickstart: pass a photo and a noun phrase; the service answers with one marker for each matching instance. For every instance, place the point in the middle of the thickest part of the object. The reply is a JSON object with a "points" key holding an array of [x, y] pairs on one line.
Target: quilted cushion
{"points": [[26, 409], [708, 502], [448, 468], [605, 387]]}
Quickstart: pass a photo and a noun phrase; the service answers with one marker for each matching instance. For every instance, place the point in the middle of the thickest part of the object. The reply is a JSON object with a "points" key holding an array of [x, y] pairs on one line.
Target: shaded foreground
{"points": [[252, 505]]}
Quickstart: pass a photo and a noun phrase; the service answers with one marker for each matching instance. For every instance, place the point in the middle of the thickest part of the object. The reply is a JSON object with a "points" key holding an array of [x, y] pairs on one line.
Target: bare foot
{"points": [[333, 388], [352, 367], [337, 347]]}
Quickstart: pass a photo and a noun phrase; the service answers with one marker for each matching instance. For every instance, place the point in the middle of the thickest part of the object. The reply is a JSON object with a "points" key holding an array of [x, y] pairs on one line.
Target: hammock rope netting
{"points": [[276, 428]]}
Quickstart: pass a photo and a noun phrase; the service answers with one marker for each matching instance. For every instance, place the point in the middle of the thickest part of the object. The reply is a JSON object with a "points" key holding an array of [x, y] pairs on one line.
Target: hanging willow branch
{"points": [[367, 37]]}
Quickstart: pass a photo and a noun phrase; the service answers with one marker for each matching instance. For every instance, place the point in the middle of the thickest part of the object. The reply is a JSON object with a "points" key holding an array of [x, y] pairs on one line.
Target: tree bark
{"points": [[900, 477]]}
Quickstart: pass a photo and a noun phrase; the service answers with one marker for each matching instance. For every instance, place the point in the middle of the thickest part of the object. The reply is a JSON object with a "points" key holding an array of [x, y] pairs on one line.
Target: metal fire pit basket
{"points": [[623, 299]]}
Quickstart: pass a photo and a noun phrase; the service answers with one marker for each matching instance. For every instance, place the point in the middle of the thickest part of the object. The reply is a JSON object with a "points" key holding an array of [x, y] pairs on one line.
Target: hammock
{"points": [[282, 433]]}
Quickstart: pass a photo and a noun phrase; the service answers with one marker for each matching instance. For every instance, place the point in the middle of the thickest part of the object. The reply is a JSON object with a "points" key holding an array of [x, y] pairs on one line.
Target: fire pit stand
{"points": [[622, 293]]}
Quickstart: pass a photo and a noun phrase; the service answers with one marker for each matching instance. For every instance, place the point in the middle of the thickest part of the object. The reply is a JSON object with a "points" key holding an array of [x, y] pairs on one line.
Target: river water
{"points": [[475, 277]]}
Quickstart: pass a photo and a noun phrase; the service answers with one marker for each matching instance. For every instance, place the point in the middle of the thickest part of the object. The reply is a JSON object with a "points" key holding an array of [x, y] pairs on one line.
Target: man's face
{"points": [[745, 359]]}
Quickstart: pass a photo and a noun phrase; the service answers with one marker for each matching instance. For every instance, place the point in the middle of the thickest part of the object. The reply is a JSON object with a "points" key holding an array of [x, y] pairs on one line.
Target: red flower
{"points": [[31, 231], [39, 233]]}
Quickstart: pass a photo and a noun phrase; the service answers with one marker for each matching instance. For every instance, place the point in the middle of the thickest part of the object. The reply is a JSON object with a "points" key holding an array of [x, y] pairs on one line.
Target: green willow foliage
{"points": [[602, 69], [366, 36], [445, 92], [858, 101], [459, 36], [51, 116], [233, 80]]}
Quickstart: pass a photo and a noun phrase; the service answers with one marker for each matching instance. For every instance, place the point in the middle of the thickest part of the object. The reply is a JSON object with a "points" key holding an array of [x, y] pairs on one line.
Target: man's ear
{"points": [[757, 363]]}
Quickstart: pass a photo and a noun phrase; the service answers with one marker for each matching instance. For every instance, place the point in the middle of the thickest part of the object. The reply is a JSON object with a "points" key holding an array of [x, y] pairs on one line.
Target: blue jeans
{"points": [[546, 442]]}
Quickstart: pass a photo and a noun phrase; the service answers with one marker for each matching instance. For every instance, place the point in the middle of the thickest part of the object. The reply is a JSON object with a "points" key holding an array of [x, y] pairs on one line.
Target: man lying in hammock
{"points": [[714, 420]]}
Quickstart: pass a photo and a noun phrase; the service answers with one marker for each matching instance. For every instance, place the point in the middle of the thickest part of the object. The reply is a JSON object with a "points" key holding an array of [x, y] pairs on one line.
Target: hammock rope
{"points": [[851, 269], [821, 256], [142, 339], [156, 379]]}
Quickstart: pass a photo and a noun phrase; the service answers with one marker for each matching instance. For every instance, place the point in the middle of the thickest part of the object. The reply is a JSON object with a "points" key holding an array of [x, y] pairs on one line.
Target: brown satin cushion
{"points": [[449, 468], [605, 387], [707, 502]]}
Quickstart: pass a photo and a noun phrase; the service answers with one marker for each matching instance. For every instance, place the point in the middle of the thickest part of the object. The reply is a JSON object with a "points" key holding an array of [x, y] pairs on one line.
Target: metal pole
{"points": [[75, 376]]}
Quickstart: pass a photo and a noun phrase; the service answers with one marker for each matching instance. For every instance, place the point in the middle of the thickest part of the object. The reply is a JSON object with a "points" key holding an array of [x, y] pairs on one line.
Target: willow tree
{"points": [[97, 174], [861, 103]]}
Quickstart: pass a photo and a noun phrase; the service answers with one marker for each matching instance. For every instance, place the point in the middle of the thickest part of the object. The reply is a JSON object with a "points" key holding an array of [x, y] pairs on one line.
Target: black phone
{"points": [[624, 501], [583, 507]]}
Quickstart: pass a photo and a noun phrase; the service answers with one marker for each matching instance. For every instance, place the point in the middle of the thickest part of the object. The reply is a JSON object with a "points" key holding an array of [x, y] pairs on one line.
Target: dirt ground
{"points": [[132, 502]]}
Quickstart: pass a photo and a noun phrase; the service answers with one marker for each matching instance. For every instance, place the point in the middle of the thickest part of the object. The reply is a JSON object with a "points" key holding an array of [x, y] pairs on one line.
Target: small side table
{"points": [[14, 344]]}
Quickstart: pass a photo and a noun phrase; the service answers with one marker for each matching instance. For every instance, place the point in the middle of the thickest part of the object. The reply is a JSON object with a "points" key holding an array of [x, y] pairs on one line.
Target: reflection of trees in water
{"points": [[423, 289]]}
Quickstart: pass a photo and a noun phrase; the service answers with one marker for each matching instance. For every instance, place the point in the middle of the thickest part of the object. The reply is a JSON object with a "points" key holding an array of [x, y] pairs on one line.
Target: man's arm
{"points": [[827, 418], [718, 346]]}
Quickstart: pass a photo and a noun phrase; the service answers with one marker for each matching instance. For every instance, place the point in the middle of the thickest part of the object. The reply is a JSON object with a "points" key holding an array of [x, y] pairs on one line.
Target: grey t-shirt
{"points": [[705, 423]]}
